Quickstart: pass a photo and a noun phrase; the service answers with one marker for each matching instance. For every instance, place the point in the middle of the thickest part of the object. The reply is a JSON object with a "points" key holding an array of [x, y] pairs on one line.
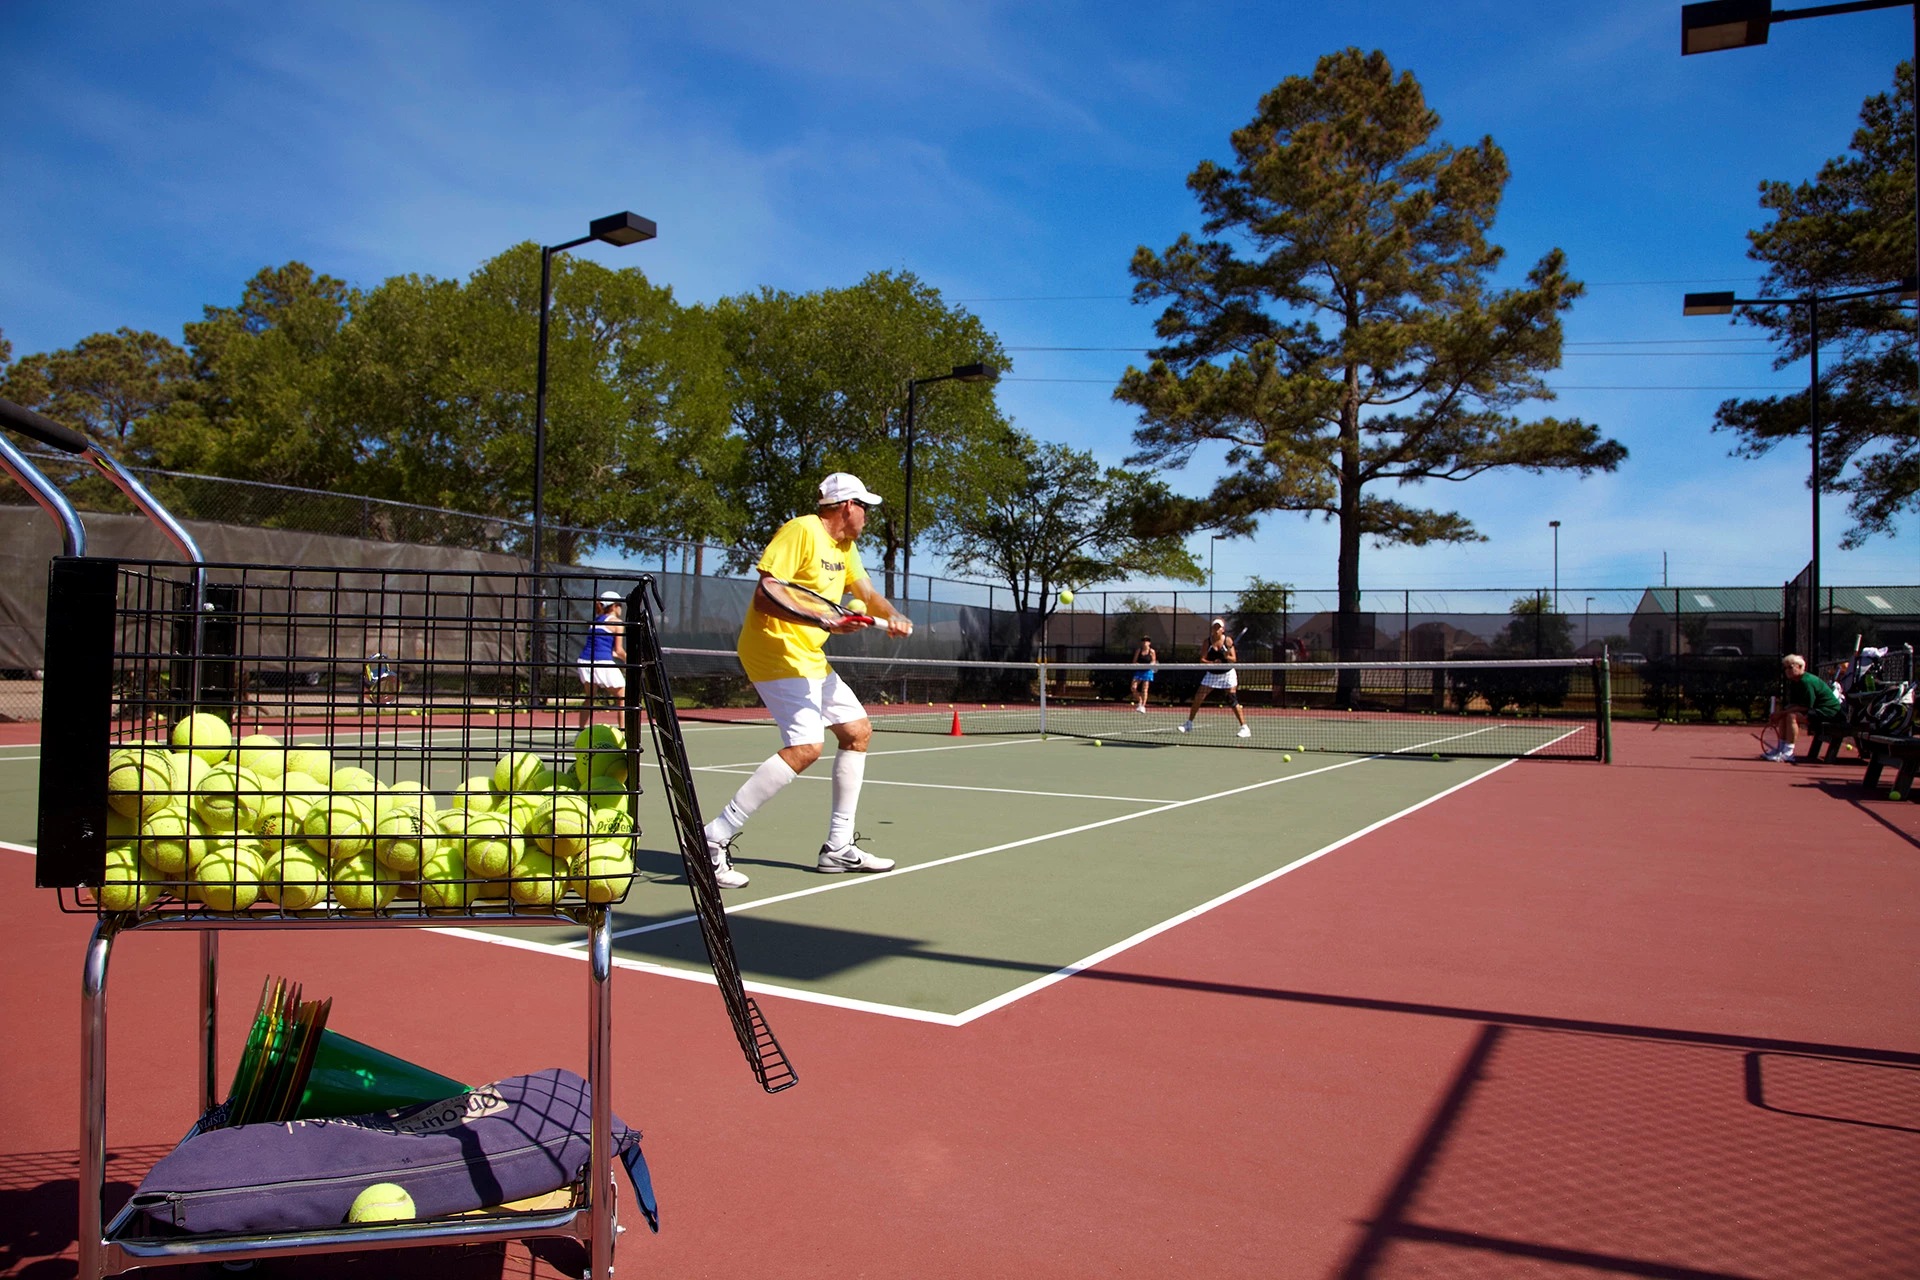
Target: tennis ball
{"points": [[355, 781], [227, 874], [415, 794], [443, 879], [520, 811], [229, 799], [1066, 597], [475, 794], [611, 822], [338, 827], [403, 840], [536, 880], [139, 783], [519, 772], [1096, 742], [1893, 795], [1286, 757], [166, 840], [310, 762], [1436, 755], [1301, 747], [120, 827], [606, 868], [856, 605], [360, 884], [296, 878], [263, 754], [126, 883], [605, 791], [382, 1202], [561, 825], [489, 845], [206, 736]]}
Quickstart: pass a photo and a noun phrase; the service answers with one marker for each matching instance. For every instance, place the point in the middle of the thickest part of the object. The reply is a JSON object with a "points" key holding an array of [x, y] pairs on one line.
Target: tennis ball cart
{"points": [[214, 767]]}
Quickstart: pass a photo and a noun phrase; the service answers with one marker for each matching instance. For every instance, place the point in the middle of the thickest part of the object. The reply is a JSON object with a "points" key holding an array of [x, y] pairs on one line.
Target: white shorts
{"points": [[1221, 680], [804, 708], [606, 675]]}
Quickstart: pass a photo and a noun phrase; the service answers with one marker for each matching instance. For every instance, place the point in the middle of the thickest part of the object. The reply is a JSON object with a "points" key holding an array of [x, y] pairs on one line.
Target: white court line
{"points": [[903, 751], [1017, 844], [743, 771], [18, 848]]}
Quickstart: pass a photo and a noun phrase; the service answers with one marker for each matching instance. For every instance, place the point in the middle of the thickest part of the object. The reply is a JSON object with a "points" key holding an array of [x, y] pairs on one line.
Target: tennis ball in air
{"points": [[606, 868], [166, 840], [443, 879], [403, 840], [229, 799], [338, 827], [311, 762], [296, 878], [227, 875], [358, 884], [521, 771], [561, 825], [1066, 597], [489, 845], [126, 883], [382, 1202], [263, 754], [139, 783], [536, 879], [206, 736]]}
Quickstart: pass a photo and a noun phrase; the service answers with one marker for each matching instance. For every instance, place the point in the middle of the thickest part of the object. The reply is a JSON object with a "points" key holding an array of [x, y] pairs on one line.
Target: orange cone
{"points": [[955, 731]]}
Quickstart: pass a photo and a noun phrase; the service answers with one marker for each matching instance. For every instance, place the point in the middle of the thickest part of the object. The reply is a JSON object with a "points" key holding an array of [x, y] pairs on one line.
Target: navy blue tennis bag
{"points": [[520, 1137]]}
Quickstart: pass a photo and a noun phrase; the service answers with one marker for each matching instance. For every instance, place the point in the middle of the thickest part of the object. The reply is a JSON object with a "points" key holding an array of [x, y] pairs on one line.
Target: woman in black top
{"points": [[1218, 653], [1144, 661]]}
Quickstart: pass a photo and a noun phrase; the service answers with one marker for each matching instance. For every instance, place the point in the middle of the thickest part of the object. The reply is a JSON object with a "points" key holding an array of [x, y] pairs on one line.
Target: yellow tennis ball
{"points": [[1894, 795], [229, 798], [227, 874], [856, 605], [354, 781], [606, 869], [126, 882], [605, 791], [475, 794], [1066, 597], [310, 762], [1286, 757], [414, 794], [166, 840], [206, 736], [489, 845], [403, 840], [139, 783], [361, 884], [338, 827], [521, 771], [561, 825], [443, 879], [263, 754], [296, 878], [536, 879], [382, 1202], [1096, 742], [608, 821]]}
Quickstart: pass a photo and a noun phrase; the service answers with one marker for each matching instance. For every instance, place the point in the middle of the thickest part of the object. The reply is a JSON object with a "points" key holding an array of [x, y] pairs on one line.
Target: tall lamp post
{"points": [[1213, 547], [1722, 304], [615, 229], [961, 373], [1555, 525], [1741, 24]]}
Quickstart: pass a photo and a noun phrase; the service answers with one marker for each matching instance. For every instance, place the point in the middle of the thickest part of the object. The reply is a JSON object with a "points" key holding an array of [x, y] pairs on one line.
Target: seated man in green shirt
{"points": [[1809, 698]]}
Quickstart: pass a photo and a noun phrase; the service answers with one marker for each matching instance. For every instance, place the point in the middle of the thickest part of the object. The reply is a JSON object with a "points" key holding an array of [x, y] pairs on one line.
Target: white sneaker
{"points": [[850, 858], [723, 873], [1140, 709], [1246, 731], [1187, 727]]}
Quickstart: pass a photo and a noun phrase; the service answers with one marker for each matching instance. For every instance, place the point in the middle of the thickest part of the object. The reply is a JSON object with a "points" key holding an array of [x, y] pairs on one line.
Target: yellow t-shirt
{"points": [[803, 553]]}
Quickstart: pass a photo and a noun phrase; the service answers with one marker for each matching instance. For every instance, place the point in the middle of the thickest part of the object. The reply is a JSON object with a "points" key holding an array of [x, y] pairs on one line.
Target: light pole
{"points": [[1586, 623], [961, 373], [614, 229], [1722, 304], [1213, 547], [1555, 524], [1740, 24]]}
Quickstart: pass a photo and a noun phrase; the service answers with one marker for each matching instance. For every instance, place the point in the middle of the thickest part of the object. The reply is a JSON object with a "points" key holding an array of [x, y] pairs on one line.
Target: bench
{"points": [[1881, 752], [1832, 735]]}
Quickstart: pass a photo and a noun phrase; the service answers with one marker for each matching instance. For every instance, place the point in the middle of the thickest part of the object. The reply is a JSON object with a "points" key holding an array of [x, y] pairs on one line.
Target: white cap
{"points": [[842, 486], [614, 596], [1220, 623]]}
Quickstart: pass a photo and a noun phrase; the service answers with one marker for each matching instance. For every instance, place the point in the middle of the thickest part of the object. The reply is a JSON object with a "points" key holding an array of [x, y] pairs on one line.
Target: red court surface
{"points": [[1653, 1019]]}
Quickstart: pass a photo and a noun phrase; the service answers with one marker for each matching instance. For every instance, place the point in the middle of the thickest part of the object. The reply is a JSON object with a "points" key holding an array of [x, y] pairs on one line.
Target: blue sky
{"points": [[1013, 156]]}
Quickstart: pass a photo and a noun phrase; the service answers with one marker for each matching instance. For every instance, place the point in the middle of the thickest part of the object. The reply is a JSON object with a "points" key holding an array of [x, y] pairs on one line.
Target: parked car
{"points": [[1628, 658], [1726, 651]]}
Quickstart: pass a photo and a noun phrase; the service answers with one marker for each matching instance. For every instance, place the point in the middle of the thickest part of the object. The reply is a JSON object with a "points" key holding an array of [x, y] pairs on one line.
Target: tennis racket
{"points": [[833, 606], [1769, 737]]}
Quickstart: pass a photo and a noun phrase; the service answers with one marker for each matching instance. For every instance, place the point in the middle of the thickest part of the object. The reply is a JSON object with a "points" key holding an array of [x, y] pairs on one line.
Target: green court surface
{"points": [[1019, 857]]}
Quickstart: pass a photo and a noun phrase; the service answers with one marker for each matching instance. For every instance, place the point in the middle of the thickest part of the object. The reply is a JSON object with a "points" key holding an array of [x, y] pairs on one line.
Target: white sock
{"points": [[849, 770], [773, 774]]}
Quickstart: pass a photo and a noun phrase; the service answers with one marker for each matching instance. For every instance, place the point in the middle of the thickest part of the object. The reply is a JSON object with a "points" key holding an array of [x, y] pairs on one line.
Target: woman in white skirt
{"points": [[603, 658], [1218, 655]]}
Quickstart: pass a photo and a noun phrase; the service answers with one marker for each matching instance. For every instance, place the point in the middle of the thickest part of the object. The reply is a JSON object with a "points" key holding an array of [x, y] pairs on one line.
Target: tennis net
{"points": [[1552, 707]]}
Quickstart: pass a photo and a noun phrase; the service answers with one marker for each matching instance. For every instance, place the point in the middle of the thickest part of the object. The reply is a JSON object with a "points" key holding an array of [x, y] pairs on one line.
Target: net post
{"points": [[1043, 693], [1603, 706]]}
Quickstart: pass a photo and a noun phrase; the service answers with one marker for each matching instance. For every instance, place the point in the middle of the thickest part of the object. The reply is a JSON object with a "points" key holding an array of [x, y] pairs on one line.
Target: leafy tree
{"points": [[1039, 517], [6, 353], [107, 385], [1851, 228], [1341, 208], [1537, 630], [819, 384], [1261, 609]]}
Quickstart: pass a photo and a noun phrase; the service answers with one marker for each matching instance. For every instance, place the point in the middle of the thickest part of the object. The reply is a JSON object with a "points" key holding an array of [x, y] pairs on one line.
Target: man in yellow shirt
{"points": [[782, 647]]}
